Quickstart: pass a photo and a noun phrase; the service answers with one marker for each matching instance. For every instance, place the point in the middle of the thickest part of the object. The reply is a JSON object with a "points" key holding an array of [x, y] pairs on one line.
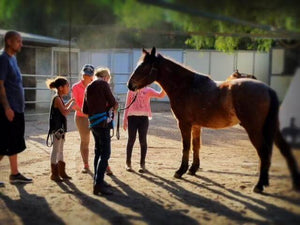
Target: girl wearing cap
{"points": [[81, 119]]}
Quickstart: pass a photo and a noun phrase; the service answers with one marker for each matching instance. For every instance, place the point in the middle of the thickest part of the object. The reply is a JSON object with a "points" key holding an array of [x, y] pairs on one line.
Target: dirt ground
{"points": [[220, 193]]}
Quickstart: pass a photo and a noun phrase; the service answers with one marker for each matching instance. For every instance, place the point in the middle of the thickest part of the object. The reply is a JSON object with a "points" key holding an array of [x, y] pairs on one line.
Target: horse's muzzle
{"points": [[131, 87]]}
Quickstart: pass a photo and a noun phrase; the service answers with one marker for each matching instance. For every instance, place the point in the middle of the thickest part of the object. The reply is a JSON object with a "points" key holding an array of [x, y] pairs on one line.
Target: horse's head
{"points": [[145, 72]]}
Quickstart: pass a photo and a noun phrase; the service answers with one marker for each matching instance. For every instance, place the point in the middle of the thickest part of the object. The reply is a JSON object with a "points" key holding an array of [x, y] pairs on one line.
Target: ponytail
{"points": [[56, 82]]}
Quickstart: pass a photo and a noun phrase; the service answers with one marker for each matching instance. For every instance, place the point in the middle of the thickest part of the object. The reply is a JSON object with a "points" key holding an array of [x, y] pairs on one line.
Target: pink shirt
{"points": [[78, 90], [141, 105]]}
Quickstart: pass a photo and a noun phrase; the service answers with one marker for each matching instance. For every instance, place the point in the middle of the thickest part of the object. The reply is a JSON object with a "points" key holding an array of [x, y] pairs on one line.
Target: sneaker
{"points": [[19, 178], [108, 171], [2, 184], [129, 168], [85, 170], [142, 169]]}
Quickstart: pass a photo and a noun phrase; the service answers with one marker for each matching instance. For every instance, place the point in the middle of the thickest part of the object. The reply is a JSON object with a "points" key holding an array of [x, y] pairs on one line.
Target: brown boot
{"points": [[62, 170], [54, 173]]}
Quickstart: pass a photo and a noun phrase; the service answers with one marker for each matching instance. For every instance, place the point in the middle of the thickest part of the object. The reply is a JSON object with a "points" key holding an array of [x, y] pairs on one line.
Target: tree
{"points": [[274, 19], [224, 25]]}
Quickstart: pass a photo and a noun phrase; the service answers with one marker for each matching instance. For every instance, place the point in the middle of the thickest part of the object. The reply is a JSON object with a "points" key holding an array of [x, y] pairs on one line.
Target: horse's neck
{"points": [[173, 77], [176, 80]]}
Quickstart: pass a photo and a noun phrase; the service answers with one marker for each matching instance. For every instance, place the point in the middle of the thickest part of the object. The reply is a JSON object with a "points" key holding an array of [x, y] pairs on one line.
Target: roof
{"points": [[39, 39]]}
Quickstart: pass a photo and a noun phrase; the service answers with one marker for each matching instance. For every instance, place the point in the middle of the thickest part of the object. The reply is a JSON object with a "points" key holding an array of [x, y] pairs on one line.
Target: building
{"points": [[41, 58]]}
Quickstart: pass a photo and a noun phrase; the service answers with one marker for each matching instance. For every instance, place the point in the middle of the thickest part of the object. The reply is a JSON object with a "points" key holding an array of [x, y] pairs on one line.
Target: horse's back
{"points": [[246, 88], [221, 104]]}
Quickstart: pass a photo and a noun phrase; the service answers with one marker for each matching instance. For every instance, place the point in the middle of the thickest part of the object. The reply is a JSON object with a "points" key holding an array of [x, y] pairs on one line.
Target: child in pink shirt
{"points": [[136, 119]]}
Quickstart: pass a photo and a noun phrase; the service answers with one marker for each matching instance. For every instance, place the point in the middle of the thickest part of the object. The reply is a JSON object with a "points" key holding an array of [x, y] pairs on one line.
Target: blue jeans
{"points": [[102, 152]]}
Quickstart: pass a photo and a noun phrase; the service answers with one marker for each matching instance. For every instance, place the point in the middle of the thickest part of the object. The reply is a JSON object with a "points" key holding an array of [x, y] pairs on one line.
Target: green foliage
{"points": [[226, 44], [280, 16], [139, 16], [129, 23]]}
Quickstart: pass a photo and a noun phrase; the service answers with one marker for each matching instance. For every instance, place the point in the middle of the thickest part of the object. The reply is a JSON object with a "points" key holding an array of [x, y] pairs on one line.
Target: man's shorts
{"points": [[11, 134]]}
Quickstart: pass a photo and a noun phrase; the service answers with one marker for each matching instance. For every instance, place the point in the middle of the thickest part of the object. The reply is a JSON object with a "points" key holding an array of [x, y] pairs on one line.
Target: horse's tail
{"points": [[271, 124], [272, 132]]}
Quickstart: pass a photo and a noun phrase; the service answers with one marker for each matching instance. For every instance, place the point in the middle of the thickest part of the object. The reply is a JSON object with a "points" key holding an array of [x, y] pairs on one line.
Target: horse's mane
{"points": [[180, 66]]}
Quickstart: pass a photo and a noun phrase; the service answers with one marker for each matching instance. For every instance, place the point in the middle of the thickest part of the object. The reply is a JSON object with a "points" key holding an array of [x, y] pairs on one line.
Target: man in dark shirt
{"points": [[12, 106], [97, 102]]}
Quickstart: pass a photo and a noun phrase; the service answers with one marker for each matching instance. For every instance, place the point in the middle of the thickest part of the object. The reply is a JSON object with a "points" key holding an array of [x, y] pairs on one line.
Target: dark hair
{"points": [[56, 82], [10, 34]]}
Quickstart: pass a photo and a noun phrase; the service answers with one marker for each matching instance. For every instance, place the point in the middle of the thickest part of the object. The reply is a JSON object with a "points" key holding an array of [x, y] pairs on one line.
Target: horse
{"points": [[198, 101], [237, 75]]}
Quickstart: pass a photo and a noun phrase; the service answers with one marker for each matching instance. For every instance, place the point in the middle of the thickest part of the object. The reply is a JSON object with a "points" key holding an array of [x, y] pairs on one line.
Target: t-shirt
{"points": [[11, 75], [78, 90], [141, 105]]}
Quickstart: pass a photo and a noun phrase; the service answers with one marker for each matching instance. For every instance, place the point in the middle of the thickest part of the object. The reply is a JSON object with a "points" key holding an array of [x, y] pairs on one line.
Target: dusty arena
{"points": [[220, 193]]}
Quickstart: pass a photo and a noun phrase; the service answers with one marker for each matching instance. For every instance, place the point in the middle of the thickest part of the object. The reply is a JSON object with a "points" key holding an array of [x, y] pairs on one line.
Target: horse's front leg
{"points": [[186, 141], [196, 135]]}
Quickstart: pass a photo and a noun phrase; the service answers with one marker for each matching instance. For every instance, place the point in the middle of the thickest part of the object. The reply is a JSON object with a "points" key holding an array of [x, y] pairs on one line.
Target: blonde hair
{"points": [[102, 72], [56, 82]]}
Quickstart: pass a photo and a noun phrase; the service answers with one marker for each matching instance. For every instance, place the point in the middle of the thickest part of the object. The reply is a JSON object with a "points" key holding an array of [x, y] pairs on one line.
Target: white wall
{"points": [[218, 65]]}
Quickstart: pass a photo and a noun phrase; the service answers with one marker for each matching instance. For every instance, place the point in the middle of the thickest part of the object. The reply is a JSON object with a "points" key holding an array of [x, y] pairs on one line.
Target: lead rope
{"points": [[119, 112]]}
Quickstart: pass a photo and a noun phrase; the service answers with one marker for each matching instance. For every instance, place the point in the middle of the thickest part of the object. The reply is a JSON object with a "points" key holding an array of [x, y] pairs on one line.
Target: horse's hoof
{"points": [[296, 183], [296, 187], [176, 175], [258, 190], [191, 173]]}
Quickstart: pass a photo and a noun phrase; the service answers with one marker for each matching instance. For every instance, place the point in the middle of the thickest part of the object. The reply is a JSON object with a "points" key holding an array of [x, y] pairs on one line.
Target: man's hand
{"points": [[10, 114]]}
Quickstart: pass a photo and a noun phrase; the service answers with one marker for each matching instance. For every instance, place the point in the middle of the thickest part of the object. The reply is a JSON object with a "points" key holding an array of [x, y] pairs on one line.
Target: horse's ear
{"points": [[153, 51], [145, 51]]}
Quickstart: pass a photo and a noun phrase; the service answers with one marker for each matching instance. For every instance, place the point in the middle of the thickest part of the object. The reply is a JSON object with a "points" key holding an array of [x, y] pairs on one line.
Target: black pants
{"points": [[11, 134], [102, 152], [138, 124]]}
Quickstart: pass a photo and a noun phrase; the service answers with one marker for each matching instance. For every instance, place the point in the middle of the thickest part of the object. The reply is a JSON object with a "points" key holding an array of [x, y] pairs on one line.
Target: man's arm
{"points": [[4, 102]]}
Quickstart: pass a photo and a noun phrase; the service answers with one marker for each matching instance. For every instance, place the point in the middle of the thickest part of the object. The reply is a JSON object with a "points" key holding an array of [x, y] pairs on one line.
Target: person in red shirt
{"points": [[81, 119]]}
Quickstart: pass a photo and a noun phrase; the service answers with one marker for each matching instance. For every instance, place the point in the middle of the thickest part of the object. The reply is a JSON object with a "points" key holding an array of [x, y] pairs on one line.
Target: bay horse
{"points": [[198, 101]]}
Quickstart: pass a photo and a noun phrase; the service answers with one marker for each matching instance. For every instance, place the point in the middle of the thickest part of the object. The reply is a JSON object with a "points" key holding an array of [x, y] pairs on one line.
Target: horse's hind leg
{"points": [[265, 154], [196, 140], [186, 141], [290, 159], [264, 151]]}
